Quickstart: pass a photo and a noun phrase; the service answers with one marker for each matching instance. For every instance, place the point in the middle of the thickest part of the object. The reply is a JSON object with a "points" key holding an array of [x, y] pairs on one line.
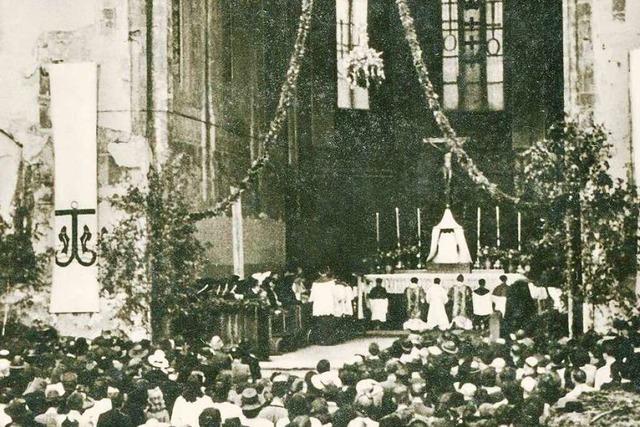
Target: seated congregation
{"points": [[447, 378]]}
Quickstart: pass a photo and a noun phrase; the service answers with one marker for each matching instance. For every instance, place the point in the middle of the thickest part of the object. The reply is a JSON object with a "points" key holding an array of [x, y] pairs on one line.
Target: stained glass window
{"points": [[351, 29], [472, 66]]}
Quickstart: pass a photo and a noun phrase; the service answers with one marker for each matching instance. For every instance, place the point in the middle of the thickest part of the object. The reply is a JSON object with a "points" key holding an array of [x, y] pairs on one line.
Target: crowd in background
{"points": [[437, 378]]}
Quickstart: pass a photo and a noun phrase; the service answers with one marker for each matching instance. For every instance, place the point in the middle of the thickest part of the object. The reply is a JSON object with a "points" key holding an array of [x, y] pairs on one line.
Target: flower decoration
{"points": [[363, 65]]}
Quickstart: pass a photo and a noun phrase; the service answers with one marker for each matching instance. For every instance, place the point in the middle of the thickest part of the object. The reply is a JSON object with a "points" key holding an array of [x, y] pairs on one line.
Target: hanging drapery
{"points": [[73, 114]]}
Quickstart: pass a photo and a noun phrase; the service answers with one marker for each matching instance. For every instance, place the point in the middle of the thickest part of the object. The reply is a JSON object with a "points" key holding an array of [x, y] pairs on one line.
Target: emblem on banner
{"points": [[82, 254]]}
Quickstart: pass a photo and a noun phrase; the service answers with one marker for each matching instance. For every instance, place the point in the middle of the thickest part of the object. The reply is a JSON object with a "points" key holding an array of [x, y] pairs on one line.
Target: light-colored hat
{"points": [[468, 390], [54, 390], [260, 277], [528, 384], [158, 360], [434, 350], [498, 364], [216, 343], [250, 399], [531, 361]]}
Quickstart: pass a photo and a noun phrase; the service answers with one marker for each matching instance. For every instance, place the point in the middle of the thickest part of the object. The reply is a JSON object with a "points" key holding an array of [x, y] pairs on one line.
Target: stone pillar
{"points": [[634, 82], [578, 58], [237, 238], [158, 76]]}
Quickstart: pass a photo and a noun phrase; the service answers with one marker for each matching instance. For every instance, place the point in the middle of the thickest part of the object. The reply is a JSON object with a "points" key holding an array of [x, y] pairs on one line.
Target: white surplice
{"points": [[436, 297]]}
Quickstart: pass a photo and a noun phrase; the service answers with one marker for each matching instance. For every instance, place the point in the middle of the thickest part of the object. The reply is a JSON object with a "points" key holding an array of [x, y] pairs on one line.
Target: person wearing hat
{"points": [[251, 404], [158, 377]]}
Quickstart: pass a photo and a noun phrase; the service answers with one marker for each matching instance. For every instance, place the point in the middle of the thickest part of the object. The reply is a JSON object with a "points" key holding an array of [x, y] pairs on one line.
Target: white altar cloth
{"points": [[396, 283]]}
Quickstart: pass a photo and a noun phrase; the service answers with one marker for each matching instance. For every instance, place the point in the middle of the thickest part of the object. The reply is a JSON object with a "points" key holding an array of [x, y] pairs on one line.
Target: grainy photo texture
{"points": [[305, 213]]}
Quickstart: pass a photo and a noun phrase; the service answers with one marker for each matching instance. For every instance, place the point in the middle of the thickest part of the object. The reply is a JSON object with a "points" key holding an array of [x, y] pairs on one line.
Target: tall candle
{"points": [[478, 228], [378, 228], [398, 225], [519, 231], [419, 228], [498, 225]]}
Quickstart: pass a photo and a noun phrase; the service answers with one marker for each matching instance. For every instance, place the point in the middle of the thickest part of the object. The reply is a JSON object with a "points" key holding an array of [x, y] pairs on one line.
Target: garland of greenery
{"points": [[451, 138], [286, 95]]}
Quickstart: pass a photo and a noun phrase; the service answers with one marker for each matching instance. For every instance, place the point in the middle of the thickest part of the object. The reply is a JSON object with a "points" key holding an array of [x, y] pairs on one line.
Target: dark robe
{"points": [[115, 418], [521, 307], [378, 292]]}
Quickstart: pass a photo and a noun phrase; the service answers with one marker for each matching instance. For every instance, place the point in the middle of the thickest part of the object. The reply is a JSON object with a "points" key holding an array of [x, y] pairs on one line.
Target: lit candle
{"points": [[398, 225], [4, 320], [378, 228], [478, 228], [498, 225], [419, 228], [519, 231]]}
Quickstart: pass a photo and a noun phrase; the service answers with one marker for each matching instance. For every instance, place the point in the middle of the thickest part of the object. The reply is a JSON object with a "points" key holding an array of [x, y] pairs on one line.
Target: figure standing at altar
{"points": [[436, 297], [415, 299], [460, 305], [378, 303], [323, 299]]}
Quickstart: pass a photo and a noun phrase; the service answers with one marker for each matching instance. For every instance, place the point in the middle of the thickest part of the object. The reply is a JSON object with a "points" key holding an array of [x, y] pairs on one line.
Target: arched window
{"points": [[472, 33]]}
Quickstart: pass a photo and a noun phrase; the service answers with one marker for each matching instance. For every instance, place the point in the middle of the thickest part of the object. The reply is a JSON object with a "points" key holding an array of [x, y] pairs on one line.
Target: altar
{"points": [[396, 283]]}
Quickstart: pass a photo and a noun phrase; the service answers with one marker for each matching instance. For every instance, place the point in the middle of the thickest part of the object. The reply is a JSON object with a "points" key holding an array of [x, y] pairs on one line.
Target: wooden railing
{"points": [[267, 331]]}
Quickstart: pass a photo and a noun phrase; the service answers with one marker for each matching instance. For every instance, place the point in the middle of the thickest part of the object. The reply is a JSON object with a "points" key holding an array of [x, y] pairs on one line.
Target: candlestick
{"points": [[398, 225], [477, 265], [378, 229], [519, 231], [4, 320], [419, 227], [498, 226]]}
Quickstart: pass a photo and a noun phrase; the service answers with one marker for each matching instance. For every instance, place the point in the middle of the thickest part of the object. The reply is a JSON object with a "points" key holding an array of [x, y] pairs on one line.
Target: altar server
{"points": [[499, 295], [323, 307], [436, 297], [482, 306], [379, 303]]}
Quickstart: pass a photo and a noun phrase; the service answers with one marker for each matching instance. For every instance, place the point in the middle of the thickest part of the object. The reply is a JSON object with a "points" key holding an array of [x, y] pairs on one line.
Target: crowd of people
{"points": [[454, 377]]}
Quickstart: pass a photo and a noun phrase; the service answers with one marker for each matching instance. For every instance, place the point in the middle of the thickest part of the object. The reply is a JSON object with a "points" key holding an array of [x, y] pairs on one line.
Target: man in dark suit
{"points": [[115, 417]]}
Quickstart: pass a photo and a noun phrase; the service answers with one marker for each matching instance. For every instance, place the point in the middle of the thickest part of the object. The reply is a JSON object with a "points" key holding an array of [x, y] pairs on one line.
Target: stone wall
{"points": [[599, 34], [33, 34]]}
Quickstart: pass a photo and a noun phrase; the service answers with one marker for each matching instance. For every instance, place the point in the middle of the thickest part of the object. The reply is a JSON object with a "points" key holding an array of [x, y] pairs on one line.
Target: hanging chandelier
{"points": [[363, 66]]}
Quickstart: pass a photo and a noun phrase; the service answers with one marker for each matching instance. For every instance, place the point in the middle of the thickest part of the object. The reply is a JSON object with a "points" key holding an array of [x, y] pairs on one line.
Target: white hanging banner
{"points": [[75, 286]]}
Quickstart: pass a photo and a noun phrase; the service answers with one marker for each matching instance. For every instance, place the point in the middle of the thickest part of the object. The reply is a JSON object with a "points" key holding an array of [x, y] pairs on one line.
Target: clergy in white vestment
{"points": [[436, 297], [323, 300], [323, 296], [379, 303], [482, 306]]}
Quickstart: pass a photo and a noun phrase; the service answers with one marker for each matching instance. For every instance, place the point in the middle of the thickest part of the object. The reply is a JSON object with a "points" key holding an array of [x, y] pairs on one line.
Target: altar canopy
{"points": [[448, 244], [73, 116]]}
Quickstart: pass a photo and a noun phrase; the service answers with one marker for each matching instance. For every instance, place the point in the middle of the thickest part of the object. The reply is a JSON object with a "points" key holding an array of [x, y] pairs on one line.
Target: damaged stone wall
{"points": [[599, 34], [33, 34]]}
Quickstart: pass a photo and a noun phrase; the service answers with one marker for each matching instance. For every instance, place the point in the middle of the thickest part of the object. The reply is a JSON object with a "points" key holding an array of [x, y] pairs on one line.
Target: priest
{"points": [[378, 303]]}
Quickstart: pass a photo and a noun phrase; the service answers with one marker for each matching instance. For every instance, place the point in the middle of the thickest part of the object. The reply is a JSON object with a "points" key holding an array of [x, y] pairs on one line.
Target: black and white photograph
{"points": [[319, 213]]}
